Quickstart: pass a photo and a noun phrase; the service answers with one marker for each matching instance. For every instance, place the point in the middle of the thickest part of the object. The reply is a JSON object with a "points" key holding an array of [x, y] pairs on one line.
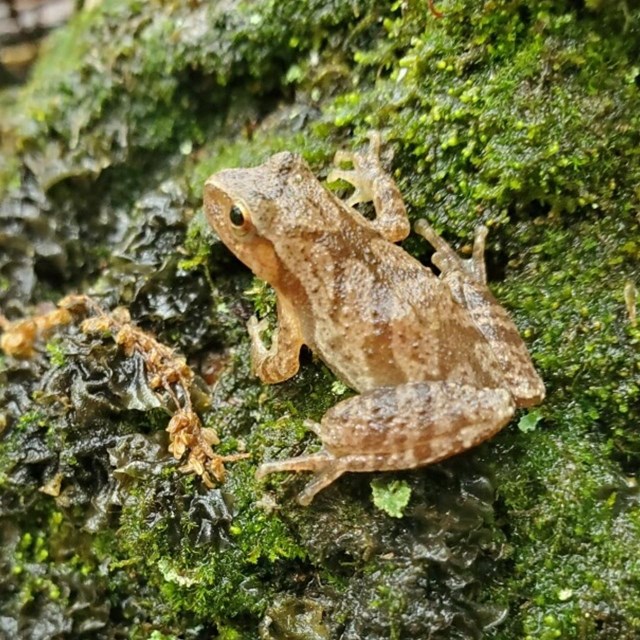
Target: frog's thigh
{"points": [[413, 424], [399, 428], [466, 280], [492, 320]]}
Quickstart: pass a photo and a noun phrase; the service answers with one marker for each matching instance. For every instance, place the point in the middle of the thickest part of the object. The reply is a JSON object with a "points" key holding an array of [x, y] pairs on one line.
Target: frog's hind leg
{"points": [[447, 260], [320, 480], [467, 281], [326, 467], [391, 428]]}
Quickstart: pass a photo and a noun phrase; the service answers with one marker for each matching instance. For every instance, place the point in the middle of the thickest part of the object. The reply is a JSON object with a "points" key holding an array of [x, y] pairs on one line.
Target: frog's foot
{"points": [[259, 352], [362, 188], [373, 184], [366, 168], [447, 260], [280, 361], [255, 329], [326, 467]]}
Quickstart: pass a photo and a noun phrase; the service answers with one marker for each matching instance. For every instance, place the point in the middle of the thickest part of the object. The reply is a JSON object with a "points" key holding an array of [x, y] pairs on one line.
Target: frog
{"points": [[437, 364]]}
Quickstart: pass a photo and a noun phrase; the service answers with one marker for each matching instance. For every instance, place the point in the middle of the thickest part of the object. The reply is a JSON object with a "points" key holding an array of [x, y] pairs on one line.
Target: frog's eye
{"points": [[236, 217], [239, 220]]}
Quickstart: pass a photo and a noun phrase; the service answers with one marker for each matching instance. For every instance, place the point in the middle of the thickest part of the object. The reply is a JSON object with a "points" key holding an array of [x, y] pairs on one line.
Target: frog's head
{"points": [[248, 208]]}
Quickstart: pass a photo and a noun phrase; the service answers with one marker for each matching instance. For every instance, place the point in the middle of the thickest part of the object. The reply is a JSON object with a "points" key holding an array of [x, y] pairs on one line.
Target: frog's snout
{"points": [[213, 202]]}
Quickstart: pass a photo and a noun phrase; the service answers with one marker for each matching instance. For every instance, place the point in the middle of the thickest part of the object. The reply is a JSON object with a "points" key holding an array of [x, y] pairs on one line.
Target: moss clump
{"points": [[125, 81], [499, 108], [209, 554]]}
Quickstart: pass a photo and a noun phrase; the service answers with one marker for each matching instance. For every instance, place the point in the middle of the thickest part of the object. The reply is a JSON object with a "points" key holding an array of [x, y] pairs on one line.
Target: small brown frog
{"points": [[438, 363]]}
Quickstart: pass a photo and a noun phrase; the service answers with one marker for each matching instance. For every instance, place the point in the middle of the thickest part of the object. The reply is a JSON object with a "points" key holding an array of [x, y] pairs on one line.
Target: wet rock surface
{"points": [[518, 117]]}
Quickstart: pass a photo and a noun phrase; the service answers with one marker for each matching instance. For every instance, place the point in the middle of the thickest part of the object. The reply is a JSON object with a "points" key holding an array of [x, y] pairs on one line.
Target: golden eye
{"points": [[236, 217]]}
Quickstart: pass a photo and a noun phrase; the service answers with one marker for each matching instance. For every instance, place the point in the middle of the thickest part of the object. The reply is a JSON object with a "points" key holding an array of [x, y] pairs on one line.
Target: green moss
{"points": [[495, 121], [215, 577], [31, 419], [158, 635], [391, 497], [9, 179], [519, 116], [56, 353], [572, 555], [123, 80]]}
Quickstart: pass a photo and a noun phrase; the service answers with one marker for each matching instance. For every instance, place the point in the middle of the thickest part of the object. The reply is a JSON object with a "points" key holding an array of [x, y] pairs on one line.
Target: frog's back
{"points": [[377, 317]]}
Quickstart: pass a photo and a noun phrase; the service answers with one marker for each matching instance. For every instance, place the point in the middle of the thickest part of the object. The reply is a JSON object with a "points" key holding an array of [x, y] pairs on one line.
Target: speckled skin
{"points": [[438, 363]]}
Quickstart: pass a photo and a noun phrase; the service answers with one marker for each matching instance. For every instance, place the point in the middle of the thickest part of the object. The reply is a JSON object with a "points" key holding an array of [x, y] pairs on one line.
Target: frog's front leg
{"points": [[281, 360], [373, 183], [402, 427], [467, 281]]}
